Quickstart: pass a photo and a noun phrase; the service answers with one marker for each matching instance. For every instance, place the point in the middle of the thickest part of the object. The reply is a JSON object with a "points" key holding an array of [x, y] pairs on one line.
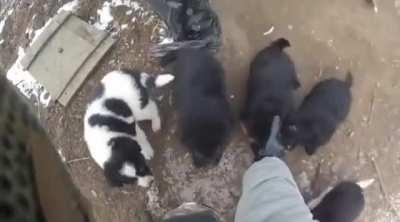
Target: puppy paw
{"points": [[145, 181]]}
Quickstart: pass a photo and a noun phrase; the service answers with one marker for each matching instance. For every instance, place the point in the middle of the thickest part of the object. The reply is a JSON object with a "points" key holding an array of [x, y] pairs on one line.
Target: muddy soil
{"points": [[328, 38]]}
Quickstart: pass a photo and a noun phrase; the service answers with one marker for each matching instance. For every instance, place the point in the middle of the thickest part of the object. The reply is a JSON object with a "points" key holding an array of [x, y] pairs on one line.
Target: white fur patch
{"points": [[128, 170], [120, 85], [164, 79]]}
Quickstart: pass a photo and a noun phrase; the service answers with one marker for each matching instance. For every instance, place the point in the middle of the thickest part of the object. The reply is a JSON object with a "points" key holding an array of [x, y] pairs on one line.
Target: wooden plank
{"points": [[43, 38], [85, 32], [85, 70], [64, 54]]}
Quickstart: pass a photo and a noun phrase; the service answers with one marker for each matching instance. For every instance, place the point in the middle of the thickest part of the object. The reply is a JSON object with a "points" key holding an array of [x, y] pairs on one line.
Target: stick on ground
{"points": [[383, 188]]}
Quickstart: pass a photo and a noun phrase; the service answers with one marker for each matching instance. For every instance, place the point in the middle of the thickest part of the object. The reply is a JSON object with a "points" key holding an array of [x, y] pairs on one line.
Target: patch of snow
{"points": [[25, 82], [70, 6], [105, 16], [136, 6], [116, 3], [37, 32], [1, 41]]}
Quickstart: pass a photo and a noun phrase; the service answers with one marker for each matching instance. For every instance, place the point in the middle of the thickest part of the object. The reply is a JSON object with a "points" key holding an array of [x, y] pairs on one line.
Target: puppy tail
{"points": [[349, 79], [281, 43]]}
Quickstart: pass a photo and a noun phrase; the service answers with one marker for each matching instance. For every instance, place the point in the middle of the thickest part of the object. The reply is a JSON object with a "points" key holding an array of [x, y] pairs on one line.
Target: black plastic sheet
{"points": [[191, 23]]}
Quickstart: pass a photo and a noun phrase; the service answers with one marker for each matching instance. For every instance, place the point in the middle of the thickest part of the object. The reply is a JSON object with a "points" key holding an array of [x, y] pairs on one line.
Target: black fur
{"points": [[342, 204], [324, 108], [270, 91], [144, 95], [118, 107], [113, 124], [124, 150], [205, 115]]}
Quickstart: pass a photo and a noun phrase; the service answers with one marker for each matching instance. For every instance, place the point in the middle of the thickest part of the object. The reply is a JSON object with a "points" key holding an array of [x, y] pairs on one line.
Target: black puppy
{"points": [[270, 90], [205, 115], [322, 110], [343, 203]]}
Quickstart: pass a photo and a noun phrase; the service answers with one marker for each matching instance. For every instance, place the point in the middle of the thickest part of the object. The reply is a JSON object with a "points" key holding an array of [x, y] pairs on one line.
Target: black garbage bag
{"points": [[191, 23]]}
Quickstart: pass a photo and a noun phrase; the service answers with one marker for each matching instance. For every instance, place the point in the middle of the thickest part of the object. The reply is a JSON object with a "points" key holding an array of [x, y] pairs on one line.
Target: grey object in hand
{"points": [[273, 148]]}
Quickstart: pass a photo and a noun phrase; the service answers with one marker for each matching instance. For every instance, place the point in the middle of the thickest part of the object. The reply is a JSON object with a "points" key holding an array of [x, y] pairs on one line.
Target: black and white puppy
{"points": [[115, 140], [270, 91], [343, 203], [205, 116], [323, 109]]}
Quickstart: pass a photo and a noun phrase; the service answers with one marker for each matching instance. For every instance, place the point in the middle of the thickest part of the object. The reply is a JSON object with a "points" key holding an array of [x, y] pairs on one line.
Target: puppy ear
{"points": [[163, 79], [157, 81]]}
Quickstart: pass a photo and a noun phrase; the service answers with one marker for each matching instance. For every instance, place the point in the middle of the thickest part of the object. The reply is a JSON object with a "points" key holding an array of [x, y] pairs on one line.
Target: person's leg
{"points": [[271, 194]]}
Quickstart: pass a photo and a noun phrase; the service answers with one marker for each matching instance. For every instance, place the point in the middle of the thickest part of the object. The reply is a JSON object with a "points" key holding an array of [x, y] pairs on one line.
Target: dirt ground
{"points": [[328, 38]]}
